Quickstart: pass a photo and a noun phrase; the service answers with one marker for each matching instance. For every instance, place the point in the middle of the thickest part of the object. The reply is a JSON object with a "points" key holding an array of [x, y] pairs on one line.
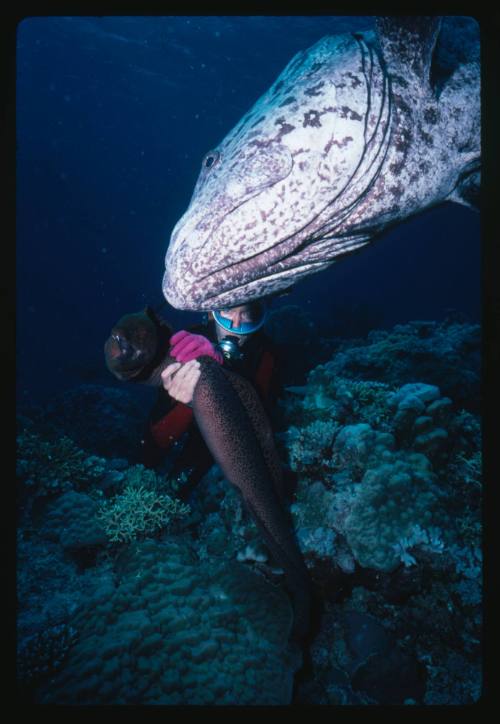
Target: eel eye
{"points": [[210, 159]]}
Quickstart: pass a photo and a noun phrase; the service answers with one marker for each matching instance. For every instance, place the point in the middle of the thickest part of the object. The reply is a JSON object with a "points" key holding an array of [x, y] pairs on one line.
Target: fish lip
{"points": [[210, 302], [240, 267]]}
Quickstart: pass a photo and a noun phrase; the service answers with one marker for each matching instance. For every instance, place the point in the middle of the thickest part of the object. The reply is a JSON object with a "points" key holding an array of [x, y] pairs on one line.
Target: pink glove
{"points": [[185, 346]]}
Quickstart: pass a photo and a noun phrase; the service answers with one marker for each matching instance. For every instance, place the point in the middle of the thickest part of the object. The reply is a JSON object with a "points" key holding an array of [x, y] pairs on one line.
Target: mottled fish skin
{"points": [[350, 139]]}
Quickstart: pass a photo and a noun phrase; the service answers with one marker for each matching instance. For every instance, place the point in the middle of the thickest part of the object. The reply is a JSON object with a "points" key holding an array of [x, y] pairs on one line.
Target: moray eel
{"points": [[358, 133], [237, 432]]}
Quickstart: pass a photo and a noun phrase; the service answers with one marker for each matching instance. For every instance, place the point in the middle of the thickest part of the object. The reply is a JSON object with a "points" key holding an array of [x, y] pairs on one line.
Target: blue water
{"points": [[113, 117]]}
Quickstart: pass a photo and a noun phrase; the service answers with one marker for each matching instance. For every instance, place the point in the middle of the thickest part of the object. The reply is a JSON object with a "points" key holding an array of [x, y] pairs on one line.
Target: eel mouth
{"points": [[122, 359]]}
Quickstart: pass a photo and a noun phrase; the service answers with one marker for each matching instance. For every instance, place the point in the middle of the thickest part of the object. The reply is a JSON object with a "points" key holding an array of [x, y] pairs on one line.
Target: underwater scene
{"points": [[248, 343]]}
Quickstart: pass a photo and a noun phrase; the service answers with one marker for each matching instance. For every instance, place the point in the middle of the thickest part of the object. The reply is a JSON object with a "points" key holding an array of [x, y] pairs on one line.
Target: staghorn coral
{"points": [[138, 512], [138, 476]]}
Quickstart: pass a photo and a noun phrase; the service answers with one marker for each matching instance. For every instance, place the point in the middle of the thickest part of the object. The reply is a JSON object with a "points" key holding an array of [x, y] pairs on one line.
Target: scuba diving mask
{"points": [[229, 345], [258, 313]]}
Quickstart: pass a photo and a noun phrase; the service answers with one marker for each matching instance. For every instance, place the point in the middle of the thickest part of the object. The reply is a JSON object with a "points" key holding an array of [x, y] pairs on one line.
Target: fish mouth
{"points": [[122, 359], [259, 287], [266, 272], [188, 285]]}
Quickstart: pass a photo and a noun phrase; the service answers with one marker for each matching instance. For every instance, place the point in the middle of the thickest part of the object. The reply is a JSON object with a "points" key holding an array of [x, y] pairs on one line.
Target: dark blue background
{"points": [[113, 118]]}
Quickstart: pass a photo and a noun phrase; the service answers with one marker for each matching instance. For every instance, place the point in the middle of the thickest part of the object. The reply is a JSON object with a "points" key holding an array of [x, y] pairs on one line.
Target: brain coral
{"points": [[175, 632]]}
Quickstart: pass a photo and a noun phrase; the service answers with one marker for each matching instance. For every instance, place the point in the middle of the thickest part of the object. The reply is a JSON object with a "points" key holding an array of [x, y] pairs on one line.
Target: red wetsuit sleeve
{"points": [[172, 426], [264, 373]]}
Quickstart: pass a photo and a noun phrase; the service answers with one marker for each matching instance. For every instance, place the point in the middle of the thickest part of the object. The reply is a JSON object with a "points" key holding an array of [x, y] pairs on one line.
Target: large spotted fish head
{"points": [[269, 197]]}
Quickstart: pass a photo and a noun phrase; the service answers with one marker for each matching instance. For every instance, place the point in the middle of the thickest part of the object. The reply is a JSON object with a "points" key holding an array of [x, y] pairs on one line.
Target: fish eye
{"points": [[210, 159]]}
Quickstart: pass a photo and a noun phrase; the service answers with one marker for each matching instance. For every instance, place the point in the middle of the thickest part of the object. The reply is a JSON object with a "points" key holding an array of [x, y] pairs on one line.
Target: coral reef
{"points": [[71, 520], [43, 654], [50, 467], [385, 518], [389, 480], [225, 528], [445, 354], [138, 512], [128, 596], [175, 632], [51, 587]]}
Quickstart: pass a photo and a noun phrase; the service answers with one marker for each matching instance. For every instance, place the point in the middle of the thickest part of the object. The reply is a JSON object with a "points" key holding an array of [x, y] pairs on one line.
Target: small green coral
{"points": [[139, 512]]}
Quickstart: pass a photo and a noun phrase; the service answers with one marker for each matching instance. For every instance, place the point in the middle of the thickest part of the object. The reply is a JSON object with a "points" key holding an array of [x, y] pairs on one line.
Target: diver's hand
{"points": [[179, 380], [185, 346]]}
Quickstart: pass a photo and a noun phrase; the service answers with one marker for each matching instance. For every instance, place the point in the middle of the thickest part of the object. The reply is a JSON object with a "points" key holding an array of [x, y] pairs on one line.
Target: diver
{"points": [[235, 339], [216, 382]]}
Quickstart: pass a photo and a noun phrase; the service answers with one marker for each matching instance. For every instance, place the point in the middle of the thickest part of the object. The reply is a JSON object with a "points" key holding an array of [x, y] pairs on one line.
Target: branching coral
{"points": [[310, 447], [138, 512], [50, 467], [137, 476]]}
